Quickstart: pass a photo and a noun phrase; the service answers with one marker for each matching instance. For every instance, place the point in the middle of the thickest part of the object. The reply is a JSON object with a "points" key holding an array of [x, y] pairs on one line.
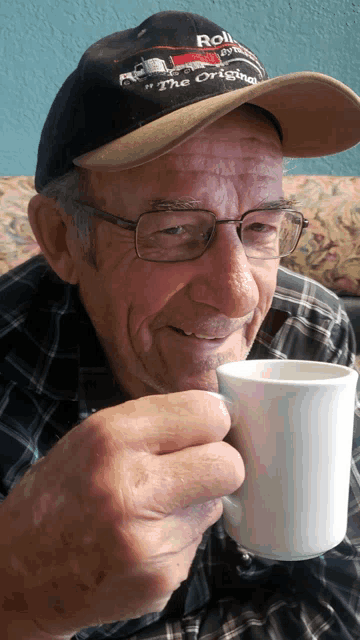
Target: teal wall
{"points": [[42, 41]]}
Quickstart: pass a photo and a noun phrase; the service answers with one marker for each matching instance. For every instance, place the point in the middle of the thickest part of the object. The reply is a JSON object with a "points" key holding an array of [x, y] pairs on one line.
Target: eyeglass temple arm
{"points": [[120, 222]]}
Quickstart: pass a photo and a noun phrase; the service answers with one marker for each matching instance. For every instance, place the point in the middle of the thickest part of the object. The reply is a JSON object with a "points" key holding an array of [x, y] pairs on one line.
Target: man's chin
{"points": [[203, 375], [171, 378]]}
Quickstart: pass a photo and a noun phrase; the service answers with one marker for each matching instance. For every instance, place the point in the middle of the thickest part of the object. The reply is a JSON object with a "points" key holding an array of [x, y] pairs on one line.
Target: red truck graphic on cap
{"points": [[186, 62]]}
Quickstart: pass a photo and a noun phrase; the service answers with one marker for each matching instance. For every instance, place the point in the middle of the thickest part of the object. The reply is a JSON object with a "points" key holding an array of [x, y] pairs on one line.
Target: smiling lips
{"points": [[198, 335], [224, 329]]}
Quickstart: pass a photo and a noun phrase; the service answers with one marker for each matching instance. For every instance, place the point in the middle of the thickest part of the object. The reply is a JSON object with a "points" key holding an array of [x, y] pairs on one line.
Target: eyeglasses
{"points": [[180, 236]]}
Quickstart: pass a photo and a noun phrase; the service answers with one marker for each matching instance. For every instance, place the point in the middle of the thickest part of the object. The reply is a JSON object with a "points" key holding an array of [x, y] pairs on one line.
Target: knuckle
{"points": [[216, 413], [232, 464], [204, 405], [204, 515], [216, 510]]}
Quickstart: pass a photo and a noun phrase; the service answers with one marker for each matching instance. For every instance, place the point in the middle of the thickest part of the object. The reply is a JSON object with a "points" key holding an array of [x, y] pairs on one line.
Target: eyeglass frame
{"points": [[129, 225]]}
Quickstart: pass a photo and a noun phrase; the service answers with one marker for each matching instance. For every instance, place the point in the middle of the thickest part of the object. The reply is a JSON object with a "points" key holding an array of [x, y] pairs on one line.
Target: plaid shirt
{"points": [[53, 374]]}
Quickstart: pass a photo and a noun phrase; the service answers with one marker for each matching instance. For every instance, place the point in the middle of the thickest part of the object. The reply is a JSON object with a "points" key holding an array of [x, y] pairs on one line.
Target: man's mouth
{"points": [[199, 336]]}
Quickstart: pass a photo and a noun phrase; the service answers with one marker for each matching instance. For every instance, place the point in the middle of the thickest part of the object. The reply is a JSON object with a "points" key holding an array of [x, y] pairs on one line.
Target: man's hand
{"points": [[106, 526]]}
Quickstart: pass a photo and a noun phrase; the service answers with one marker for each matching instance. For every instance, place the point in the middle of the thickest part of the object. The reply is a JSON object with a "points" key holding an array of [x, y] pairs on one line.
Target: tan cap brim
{"points": [[318, 115]]}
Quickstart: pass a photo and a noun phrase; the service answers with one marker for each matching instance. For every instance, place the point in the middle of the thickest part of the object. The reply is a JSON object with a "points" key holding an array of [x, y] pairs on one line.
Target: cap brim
{"points": [[318, 115]]}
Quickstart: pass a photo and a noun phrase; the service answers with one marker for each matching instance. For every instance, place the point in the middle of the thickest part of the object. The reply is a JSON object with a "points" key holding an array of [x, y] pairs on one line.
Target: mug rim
{"points": [[344, 372]]}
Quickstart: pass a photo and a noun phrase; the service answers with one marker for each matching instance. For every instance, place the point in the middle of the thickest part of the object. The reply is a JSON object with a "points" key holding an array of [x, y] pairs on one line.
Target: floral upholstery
{"points": [[17, 241], [329, 250]]}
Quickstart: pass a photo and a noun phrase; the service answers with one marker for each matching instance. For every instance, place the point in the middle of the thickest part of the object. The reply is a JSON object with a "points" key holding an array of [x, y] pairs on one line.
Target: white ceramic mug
{"points": [[292, 422]]}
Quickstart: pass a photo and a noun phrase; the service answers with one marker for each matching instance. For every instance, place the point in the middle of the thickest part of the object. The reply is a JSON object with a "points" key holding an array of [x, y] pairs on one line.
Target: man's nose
{"points": [[225, 280]]}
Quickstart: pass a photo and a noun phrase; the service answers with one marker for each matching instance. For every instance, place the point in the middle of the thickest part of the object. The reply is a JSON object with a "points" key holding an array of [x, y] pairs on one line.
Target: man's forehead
{"points": [[225, 148], [171, 175], [263, 166], [229, 147]]}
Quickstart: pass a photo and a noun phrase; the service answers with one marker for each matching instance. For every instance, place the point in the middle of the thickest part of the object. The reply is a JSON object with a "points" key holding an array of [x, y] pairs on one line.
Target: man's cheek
{"points": [[145, 338], [115, 253]]}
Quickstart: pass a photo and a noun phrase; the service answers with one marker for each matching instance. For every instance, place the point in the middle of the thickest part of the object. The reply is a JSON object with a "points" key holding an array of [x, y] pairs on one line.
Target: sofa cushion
{"points": [[17, 241], [329, 250]]}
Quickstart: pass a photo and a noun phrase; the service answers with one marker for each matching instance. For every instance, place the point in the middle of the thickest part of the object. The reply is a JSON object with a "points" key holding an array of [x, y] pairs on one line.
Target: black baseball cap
{"points": [[138, 93]]}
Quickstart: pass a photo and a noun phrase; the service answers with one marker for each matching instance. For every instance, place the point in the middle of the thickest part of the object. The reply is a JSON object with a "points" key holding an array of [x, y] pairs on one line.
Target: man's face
{"points": [[140, 309]]}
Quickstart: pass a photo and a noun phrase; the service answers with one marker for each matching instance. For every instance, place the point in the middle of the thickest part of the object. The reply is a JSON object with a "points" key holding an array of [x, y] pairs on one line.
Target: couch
{"points": [[329, 250]]}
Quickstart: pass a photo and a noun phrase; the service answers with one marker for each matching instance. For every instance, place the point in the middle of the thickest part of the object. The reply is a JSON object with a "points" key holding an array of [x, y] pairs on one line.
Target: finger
{"points": [[171, 422], [196, 475]]}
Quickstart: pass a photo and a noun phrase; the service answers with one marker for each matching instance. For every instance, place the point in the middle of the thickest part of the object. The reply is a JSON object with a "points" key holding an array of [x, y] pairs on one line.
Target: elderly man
{"points": [[162, 221]]}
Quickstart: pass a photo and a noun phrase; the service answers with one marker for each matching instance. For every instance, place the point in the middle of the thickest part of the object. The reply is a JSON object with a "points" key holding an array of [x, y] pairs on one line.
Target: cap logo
{"points": [[211, 60], [206, 41]]}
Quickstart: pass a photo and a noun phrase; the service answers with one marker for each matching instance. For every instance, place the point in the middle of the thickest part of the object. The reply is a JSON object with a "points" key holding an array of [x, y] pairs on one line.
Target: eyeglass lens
{"points": [[172, 236]]}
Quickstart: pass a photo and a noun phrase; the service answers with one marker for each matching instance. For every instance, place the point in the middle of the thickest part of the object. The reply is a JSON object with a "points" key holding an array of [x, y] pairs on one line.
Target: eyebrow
{"points": [[183, 204], [281, 203]]}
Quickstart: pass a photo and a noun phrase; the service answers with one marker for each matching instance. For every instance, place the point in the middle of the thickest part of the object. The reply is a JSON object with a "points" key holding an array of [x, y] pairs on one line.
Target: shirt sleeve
{"points": [[30, 424], [16, 443]]}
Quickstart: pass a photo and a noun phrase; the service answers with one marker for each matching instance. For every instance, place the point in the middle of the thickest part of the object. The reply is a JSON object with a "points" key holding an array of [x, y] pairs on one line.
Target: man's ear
{"points": [[53, 231]]}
